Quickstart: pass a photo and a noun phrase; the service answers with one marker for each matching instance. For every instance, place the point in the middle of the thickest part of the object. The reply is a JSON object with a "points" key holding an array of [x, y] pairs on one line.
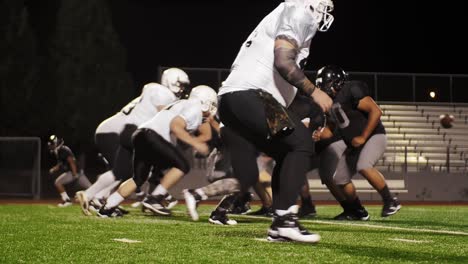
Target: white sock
{"points": [[104, 193], [281, 212], [65, 197], [292, 209], [114, 200], [104, 181], [201, 193], [159, 190]]}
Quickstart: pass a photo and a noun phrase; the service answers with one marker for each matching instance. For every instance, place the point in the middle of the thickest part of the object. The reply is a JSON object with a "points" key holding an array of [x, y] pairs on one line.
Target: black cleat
{"points": [[356, 215], [220, 218], [391, 208], [307, 210], [264, 211], [287, 228], [155, 203], [170, 201], [108, 213], [122, 210]]}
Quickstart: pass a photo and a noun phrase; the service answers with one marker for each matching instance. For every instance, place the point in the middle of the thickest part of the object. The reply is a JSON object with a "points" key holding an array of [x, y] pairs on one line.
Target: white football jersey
{"points": [[113, 124], [189, 109], [254, 66], [145, 106]]}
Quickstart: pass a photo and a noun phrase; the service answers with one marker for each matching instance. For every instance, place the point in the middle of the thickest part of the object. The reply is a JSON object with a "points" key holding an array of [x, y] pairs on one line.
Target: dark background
{"points": [[67, 65]]}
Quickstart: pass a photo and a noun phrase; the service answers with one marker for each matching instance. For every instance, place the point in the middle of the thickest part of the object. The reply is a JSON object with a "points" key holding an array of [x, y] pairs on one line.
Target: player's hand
{"points": [[322, 99], [358, 141], [202, 148], [317, 134], [52, 170]]}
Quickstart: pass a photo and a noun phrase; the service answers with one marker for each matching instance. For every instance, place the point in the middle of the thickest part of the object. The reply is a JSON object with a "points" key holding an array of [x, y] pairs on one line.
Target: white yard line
{"points": [[126, 240], [391, 227], [423, 230], [410, 240]]}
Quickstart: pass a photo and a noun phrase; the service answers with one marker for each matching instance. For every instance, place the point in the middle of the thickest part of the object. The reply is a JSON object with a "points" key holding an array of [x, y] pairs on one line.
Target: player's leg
{"points": [[164, 156], [370, 154], [288, 178], [63, 179]]}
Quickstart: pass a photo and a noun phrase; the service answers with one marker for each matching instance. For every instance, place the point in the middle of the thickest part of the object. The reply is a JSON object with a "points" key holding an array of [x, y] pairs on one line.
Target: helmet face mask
{"points": [[176, 80], [321, 10], [330, 79]]}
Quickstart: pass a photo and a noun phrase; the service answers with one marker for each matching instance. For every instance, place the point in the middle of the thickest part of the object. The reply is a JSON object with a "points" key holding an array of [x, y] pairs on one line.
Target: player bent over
{"points": [[154, 145]]}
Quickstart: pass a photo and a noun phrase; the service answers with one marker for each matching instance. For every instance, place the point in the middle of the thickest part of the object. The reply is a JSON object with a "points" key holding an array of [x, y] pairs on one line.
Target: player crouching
{"points": [[154, 145]]}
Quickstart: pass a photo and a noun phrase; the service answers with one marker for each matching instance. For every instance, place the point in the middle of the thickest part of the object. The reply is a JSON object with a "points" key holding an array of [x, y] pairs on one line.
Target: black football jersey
{"points": [[62, 155], [349, 120]]}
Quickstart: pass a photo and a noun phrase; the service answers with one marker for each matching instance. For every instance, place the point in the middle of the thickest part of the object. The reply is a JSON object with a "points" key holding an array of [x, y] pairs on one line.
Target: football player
{"points": [[356, 117], [263, 81], [154, 145], [113, 135], [66, 163]]}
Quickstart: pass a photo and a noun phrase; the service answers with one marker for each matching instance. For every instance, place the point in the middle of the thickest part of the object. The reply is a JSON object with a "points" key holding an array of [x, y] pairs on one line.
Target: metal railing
{"points": [[383, 86]]}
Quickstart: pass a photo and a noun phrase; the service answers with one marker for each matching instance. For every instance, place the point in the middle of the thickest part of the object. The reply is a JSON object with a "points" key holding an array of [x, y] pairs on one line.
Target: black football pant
{"points": [[152, 150], [107, 143], [245, 133]]}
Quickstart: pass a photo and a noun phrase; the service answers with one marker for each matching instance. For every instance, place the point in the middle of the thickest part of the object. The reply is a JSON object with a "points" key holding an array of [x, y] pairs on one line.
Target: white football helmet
{"points": [[208, 98], [320, 10], [176, 80]]}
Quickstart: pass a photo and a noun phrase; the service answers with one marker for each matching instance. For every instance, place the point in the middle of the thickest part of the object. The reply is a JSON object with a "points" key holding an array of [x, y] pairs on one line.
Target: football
{"points": [[446, 120]]}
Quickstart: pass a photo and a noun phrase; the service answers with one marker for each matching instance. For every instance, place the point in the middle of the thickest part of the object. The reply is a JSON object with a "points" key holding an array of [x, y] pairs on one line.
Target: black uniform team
{"points": [[261, 105]]}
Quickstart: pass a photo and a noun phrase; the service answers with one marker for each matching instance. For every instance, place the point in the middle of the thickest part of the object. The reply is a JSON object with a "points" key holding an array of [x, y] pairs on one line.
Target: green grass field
{"points": [[47, 234]]}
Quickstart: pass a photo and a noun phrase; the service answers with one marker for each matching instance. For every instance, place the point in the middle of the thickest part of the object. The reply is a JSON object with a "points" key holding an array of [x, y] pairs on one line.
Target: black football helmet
{"points": [[54, 142], [330, 79]]}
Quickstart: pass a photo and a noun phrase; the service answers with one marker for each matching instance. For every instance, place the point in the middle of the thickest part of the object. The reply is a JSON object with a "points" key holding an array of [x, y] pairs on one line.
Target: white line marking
{"points": [[261, 239], [126, 240], [393, 228], [423, 230], [410, 240]]}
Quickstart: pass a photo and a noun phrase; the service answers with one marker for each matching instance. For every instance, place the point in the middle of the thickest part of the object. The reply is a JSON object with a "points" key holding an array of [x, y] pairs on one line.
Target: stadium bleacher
{"points": [[418, 142]]}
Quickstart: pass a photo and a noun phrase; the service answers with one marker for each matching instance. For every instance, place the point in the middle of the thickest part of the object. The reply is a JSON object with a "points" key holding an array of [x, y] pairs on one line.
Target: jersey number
{"points": [[340, 116], [130, 106]]}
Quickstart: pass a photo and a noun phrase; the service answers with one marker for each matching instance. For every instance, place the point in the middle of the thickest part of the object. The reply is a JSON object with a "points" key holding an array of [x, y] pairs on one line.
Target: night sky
{"points": [[371, 36]]}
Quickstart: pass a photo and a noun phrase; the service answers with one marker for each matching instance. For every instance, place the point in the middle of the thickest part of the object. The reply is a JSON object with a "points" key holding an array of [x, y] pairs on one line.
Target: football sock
{"points": [[102, 182], [386, 195], [160, 190], [114, 200], [65, 197]]}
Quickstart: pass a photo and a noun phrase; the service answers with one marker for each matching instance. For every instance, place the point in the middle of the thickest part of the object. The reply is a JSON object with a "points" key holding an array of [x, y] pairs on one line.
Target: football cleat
{"points": [[287, 228], [356, 215], [307, 210], [264, 211], [65, 203], [109, 213], [191, 201], [155, 203], [220, 218], [84, 204], [170, 201], [391, 208]]}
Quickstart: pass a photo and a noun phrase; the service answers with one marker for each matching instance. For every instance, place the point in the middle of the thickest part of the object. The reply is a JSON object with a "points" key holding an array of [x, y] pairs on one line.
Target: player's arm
{"points": [[72, 163], [54, 168], [285, 54], [204, 132], [178, 126], [368, 105]]}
